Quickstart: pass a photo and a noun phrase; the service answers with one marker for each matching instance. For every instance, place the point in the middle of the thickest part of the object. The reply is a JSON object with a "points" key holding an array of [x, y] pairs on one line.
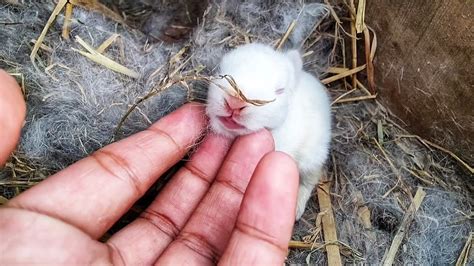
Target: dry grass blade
{"points": [[103, 60], [171, 78], [67, 21], [315, 26], [329, 224], [389, 257], [346, 250], [109, 63], [22, 81], [180, 67], [241, 34], [380, 132], [129, 111], [360, 18], [362, 87], [452, 154], [304, 245], [152, 93], [107, 43], [95, 5], [395, 171], [357, 99], [337, 70], [337, 29], [282, 41], [240, 94], [373, 47], [342, 96], [16, 183], [12, 2], [387, 158], [333, 12], [428, 182], [343, 75], [43, 46], [368, 61], [353, 43], [59, 6], [85, 45], [307, 54], [363, 214], [464, 256]]}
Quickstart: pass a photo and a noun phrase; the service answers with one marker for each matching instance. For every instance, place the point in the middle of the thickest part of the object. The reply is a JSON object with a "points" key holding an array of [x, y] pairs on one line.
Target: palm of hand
{"points": [[225, 204]]}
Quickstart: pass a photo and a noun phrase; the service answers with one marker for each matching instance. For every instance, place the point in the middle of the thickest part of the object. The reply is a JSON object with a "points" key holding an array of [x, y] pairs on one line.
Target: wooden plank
{"points": [[424, 68]]}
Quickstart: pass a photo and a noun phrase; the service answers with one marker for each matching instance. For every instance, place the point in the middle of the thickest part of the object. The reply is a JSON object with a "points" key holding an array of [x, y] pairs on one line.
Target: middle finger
{"points": [[206, 234], [142, 241]]}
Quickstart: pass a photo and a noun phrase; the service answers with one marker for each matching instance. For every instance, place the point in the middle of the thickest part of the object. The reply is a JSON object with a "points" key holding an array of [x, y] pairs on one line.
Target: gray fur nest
{"points": [[76, 106]]}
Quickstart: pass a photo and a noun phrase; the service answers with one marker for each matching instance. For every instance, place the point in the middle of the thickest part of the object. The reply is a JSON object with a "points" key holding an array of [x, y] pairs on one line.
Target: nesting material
{"points": [[74, 103], [370, 200], [109, 81]]}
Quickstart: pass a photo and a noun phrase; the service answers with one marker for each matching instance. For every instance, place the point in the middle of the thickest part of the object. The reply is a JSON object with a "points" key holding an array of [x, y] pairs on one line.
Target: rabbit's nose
{"points": [[235, 104]]}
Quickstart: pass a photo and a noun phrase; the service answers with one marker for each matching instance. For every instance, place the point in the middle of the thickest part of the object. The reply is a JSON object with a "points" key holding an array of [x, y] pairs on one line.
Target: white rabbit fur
{"points": [[299, 118]]}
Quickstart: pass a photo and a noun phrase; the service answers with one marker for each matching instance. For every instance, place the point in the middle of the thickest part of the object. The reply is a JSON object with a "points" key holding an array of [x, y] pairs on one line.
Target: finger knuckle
{"points": [[161, 222], [200, 245], [258, 234], [119, 168]]}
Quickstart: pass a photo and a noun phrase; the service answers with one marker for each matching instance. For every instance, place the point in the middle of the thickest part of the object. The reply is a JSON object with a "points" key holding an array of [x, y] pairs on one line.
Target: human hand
{"points": [[208, 212]]}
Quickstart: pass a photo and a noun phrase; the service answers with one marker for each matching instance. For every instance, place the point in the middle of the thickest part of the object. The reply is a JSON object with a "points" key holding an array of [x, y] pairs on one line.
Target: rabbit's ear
{"points": [[295, 58]]}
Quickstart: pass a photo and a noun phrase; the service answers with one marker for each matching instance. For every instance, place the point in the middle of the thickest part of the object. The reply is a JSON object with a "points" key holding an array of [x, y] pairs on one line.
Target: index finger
{"points": [[12, 114], [96, 191]]}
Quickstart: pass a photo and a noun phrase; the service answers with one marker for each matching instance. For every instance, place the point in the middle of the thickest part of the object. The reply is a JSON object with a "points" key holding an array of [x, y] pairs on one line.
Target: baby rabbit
{"points": [[297, 109]]}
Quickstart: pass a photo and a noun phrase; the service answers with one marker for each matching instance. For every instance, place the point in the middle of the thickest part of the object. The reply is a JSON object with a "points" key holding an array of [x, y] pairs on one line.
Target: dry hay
{"points": [[78, 101]]}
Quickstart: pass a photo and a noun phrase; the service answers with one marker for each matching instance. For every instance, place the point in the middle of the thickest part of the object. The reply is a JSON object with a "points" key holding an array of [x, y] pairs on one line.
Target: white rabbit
{"points": [[298, 115]]}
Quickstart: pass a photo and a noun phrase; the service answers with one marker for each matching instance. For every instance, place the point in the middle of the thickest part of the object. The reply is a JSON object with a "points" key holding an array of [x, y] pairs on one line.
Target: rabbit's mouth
{"points": [[229, 123]]}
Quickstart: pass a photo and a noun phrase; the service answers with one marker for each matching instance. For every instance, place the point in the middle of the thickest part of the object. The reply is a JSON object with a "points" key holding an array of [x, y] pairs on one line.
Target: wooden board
{"points": [[424, 67]]}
